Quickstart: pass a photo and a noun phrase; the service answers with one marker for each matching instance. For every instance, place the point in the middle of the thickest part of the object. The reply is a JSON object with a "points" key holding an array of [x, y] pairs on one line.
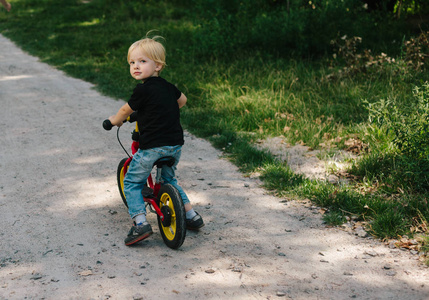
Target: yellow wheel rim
{"points": [[122, 181], [170, 231]]}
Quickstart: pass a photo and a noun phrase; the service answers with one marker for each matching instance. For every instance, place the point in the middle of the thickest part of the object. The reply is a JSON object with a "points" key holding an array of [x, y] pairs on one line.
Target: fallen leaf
{"points": [[85, 273], [326, 136]]}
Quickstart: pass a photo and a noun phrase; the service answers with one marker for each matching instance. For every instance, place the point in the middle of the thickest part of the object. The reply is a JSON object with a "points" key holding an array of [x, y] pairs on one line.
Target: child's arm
{"points": [[121, 115], [182, 100]]}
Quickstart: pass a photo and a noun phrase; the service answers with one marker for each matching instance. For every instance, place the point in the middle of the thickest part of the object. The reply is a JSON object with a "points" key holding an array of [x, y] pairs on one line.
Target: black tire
{"points": [[120, 179], [173, 228]]}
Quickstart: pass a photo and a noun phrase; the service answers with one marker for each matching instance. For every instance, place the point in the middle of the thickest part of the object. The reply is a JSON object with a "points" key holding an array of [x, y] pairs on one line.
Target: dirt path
{"points": [[63, 222]]}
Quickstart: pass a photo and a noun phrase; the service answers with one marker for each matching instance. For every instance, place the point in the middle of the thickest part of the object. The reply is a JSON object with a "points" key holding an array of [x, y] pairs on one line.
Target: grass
{"points": [[235, 101]]}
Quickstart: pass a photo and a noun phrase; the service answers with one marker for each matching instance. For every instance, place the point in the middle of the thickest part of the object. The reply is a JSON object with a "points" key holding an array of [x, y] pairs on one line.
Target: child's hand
{"points": [[121, 115], [112, 120]]}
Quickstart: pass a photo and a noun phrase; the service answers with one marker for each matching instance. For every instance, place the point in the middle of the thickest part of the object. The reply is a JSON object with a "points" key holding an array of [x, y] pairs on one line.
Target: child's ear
{"points": [[158, 67]]}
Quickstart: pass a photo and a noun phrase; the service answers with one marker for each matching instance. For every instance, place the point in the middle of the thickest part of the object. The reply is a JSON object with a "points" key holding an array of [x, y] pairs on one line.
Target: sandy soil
{"points": [[63, 222]]}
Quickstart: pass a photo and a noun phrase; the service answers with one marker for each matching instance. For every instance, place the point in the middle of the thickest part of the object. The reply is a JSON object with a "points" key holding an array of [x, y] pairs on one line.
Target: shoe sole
{"points": [[195, 228], [139, 239]]}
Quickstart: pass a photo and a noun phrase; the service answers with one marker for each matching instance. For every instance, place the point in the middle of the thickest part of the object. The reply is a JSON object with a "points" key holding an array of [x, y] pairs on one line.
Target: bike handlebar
{"points": [[107, 125]]}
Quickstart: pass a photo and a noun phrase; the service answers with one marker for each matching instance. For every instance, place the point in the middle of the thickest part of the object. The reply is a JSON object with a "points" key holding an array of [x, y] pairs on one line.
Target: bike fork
{"points": [[149, 194]]}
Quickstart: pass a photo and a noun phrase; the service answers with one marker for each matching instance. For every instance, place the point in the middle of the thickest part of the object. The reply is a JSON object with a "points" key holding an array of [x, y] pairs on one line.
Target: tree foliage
{"points": [[293, 27]]}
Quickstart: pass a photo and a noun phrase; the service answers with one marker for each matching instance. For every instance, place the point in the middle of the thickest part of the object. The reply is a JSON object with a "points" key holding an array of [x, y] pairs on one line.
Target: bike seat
{"points": [[165, 161], [147, 192]]}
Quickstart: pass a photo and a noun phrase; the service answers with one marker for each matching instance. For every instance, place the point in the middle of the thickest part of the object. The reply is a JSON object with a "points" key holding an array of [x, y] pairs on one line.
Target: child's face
{"points": [[142, 67]]}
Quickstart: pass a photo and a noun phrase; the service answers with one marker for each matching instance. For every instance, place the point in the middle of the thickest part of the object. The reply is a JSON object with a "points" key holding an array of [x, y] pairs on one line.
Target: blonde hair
{"points": [[152, 48]]}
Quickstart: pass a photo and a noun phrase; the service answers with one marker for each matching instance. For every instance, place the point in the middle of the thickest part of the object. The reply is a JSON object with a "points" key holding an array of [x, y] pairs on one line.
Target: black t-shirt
{"points": [[158, 113]]}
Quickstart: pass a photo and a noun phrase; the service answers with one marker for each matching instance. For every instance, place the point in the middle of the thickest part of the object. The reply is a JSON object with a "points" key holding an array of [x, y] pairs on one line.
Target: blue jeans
{"points": [[139, 171]]}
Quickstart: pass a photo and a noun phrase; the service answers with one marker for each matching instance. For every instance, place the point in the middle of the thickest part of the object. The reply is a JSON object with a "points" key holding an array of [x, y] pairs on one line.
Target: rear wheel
{"points": [[120, 177], [173, 227]]}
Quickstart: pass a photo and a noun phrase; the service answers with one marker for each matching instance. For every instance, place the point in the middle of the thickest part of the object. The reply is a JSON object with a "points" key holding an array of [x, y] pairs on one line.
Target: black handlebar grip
{"points": [[107, 125], [133, 117]]}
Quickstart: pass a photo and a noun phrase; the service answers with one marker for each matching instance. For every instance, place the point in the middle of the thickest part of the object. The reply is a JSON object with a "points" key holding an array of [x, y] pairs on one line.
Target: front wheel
{"points": [[173, 227], [120, 177]]}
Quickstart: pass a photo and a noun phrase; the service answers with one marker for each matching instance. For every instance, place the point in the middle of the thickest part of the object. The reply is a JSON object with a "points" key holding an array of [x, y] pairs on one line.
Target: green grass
{"points": [[235, 100]]}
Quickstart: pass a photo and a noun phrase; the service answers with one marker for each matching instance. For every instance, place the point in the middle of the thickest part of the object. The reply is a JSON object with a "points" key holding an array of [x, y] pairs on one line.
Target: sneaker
{"points": [[138, 233], [195, 223]]}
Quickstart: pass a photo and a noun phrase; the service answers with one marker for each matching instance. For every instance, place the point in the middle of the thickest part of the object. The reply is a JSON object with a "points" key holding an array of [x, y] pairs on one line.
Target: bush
{"points": [[355, 60], [280, 28], [409, 122], [405, 164]]}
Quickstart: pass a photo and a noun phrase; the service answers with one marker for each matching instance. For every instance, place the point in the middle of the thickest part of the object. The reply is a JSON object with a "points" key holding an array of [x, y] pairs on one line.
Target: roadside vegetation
{"points": [[318, 73]]}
